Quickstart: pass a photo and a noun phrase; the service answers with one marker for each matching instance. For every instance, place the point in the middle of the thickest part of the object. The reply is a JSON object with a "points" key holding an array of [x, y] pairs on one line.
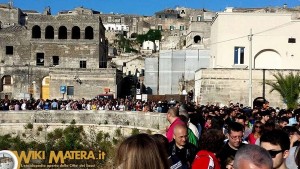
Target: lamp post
{"points": [[250, 68]]}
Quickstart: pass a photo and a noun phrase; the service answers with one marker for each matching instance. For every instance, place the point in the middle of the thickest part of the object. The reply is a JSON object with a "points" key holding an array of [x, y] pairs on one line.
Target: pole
{"points": [[250, 68], [264, 83]]}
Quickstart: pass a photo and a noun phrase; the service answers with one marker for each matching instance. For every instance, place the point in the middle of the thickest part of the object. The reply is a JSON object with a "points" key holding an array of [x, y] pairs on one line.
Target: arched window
{"points": [[6, 84], [89, 33], [197, 39], [62, 33], [75, 32], [36, 32], [134, 35], [6, 80], [49, 32]]}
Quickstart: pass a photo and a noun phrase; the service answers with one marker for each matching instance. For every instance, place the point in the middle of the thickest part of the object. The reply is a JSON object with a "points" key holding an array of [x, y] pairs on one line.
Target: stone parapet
{"points": [[149, 120]]}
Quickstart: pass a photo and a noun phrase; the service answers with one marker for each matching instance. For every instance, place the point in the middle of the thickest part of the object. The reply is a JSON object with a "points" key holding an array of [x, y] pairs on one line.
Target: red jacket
{"points": [[206, 160]]}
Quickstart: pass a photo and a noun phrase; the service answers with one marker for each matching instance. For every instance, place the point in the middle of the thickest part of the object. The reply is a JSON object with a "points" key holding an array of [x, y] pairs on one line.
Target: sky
{"points": [[144, 7]]}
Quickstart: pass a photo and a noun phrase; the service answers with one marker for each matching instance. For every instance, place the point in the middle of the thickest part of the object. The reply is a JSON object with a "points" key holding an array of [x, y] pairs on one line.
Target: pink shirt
{"points": [[170, 130]]}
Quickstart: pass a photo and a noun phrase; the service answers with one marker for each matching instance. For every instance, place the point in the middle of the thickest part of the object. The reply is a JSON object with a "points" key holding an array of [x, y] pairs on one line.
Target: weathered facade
{"points": [[39, 53], [224, 85], [238, 37]]}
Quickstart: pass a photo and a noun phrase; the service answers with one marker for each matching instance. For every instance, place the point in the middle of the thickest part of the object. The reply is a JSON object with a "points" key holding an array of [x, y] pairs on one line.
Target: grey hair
{"points": [[253, 154]]}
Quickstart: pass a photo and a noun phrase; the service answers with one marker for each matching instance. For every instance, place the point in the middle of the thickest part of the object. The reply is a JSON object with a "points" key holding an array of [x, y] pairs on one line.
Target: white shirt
{"points": [[23, 106]]}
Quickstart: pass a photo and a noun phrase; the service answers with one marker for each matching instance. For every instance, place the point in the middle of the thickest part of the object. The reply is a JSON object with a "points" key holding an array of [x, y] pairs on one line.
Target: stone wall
{"points": [[137, 119], [13, 122], [92, 82], [232, 85]]}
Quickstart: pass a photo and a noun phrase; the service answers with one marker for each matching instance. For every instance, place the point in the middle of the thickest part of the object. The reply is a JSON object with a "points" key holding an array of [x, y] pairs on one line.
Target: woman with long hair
{"points": [[141, 151], [256, 132]]}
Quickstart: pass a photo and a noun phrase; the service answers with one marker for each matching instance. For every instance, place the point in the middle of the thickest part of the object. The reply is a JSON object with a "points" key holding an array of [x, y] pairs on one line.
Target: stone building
{"points": [[244, 42], [120, 24], [44, 56]]}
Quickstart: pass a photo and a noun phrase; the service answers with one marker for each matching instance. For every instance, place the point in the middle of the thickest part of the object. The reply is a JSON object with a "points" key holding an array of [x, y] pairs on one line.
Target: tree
{"points": [[126, 44], [288, 87], [151, 35]]}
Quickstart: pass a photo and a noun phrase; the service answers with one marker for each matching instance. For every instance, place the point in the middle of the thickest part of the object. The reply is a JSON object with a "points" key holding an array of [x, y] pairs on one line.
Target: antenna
{"points": [[10, 3]]}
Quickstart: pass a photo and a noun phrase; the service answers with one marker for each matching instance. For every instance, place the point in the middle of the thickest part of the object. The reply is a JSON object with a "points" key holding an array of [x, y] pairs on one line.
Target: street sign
{"points": [[63, 89]]}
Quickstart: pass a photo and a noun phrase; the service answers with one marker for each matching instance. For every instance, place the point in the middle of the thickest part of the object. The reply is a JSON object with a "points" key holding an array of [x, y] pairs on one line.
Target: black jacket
{"points": [[186, 155]]}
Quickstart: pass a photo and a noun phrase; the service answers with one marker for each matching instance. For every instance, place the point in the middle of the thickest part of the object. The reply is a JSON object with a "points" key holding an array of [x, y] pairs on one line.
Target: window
{"points": [[89, 33], [292, 40], [9, 50], [109, 19], [55, 60], [239, 55], [75, 32], [172, 27], [70, 90], [159, 27], [6, 80], [62, 32], [49, 32], [36, 32], [181, 27], [40, 59], [198, 18], [82, 64], [197, 39]]}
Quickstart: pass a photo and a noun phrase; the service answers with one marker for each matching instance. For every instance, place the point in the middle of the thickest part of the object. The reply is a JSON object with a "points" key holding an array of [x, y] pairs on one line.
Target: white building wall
{"points": [[271, 32], [116, 27], [148, 45]]}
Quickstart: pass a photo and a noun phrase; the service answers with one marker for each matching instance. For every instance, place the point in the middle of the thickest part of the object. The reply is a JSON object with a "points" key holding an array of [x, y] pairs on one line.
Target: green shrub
{"points": [[29, 126], [118, 132], [73, 122], [40, 128], [135, 131]]}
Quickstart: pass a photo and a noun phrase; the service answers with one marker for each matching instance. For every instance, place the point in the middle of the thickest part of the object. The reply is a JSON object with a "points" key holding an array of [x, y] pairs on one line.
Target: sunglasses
{"points": [[257, 126], [273, 153]]}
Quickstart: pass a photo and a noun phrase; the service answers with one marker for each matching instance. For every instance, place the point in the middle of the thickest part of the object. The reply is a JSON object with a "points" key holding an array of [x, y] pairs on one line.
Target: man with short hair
{"points": [[54, 105], [235, 138], [277, 143], [173, 118], [181, 148], [242, 119], [252, 157], [283, 121], [265, 116], [231, 116]]}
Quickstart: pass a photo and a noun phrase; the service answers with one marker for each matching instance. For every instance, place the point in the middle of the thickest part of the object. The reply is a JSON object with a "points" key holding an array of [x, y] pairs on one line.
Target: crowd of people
{"points": [[85, 104], [213, 137], [199, 136]]}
